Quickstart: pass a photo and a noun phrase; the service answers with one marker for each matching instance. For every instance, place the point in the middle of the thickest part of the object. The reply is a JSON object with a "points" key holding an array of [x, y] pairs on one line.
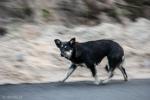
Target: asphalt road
{"points": [[115, 90]]}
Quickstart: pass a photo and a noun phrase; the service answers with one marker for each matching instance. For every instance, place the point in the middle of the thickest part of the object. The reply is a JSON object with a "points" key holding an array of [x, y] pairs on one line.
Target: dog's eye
{"points": [[65, 47]]}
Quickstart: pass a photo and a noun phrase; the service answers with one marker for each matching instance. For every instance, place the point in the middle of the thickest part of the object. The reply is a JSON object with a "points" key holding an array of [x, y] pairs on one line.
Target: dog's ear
{"points": [[72, 41], [57, 42]]}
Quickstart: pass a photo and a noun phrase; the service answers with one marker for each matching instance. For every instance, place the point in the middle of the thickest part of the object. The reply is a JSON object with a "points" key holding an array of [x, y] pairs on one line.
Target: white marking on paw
{"points": [[106, 81], [97, 81]]}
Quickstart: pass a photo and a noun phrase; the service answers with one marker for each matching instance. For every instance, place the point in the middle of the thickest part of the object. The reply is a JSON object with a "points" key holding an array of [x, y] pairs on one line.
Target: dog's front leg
{"points": [[70, 71], [94, 73]]}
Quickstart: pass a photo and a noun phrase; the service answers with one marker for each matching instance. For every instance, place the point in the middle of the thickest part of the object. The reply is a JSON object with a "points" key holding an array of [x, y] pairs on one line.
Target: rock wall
{"points": [[88, 12]]}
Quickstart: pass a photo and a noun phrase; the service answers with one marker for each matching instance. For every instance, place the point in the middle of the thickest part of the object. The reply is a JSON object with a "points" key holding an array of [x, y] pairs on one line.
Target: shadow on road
{"points": [[83, 83]]}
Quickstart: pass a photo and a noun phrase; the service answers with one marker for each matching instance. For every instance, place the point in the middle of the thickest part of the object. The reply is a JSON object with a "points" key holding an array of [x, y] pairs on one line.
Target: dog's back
{"points": [[95, 51]]}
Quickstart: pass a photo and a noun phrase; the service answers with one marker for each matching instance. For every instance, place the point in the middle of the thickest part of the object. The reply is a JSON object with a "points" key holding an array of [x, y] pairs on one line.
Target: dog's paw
{"points": [[126, 78], [61, 81], [105, 82], [97, 82]]}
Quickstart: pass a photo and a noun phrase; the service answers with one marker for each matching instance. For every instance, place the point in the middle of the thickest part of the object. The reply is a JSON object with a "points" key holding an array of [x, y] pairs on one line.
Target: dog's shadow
{"points": [[78, 84], [71, 84], [88, 83]]}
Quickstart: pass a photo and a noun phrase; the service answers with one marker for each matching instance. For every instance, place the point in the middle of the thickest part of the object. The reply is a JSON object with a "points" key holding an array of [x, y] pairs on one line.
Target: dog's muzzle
{"points": [[66, 54]]}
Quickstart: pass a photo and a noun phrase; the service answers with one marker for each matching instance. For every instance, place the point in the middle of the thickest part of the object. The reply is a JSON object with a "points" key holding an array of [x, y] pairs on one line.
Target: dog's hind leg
{"points": [[124, 73], [107, 68], [110, 69], [70, 71], [109, 77], [123, 69]]}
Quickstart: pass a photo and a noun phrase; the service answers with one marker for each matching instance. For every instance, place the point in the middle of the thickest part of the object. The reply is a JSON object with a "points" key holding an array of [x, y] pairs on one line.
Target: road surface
{"points": [[85, 90]]}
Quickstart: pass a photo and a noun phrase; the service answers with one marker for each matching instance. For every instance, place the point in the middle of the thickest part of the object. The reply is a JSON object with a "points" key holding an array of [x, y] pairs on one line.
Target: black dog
{"points": [[90, 54]]}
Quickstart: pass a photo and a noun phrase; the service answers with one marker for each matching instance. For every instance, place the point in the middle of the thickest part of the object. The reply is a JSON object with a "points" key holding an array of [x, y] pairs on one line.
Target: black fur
{"points": [[91, 53]]}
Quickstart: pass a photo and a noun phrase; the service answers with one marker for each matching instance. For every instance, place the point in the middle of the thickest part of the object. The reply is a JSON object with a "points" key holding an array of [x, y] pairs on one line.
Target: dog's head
{"points": [[66, 48]]}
